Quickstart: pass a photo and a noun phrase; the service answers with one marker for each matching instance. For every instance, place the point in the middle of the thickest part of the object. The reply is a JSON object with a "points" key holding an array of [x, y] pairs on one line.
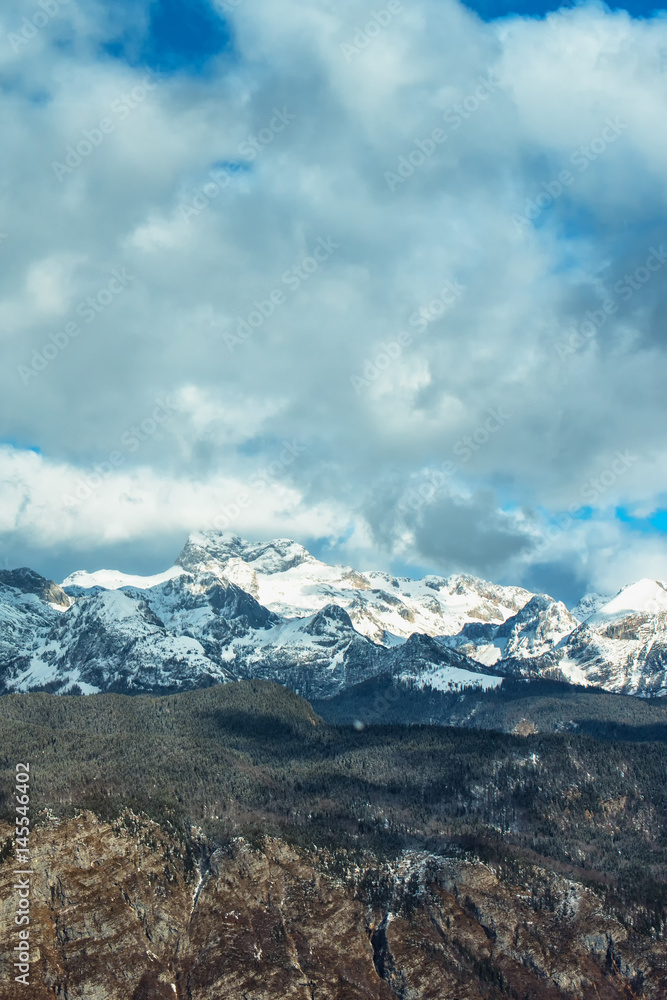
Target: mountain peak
{"points": [[28, 582], [217, 548], [589, 605], [645, 596]]}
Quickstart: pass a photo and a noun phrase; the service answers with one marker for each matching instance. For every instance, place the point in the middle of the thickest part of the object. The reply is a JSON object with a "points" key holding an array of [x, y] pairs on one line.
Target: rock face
{"points": [[620, 645], [288, 858], [623, 645], [192, 627], [122, 911], [286, 578], [537, 628], [111, 642], [232, 609], [26, 581], [23, 617]]}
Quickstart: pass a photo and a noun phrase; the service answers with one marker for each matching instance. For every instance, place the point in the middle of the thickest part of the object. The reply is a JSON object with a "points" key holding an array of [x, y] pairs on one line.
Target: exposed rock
{"points": [[122, 912], [28, 582]]}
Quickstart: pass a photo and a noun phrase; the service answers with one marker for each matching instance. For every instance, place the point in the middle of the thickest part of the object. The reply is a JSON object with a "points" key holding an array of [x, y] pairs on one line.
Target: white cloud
{"points": [[323, 176]]}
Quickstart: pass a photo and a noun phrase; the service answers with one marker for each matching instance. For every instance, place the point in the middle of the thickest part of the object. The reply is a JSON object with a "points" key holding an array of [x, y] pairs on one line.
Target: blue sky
{"points": [[490, 9], [183, 36], [178, 35], [285, 196], [172, 36]]}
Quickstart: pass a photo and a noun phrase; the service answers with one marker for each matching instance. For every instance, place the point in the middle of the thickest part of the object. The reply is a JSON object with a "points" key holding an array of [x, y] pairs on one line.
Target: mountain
{"points": [[231, 609], [588, 605], [620, 646], [286, 578], [521, 706], [23, 615], [623, 646], [26, 581], [229, 843], [166, 638], [109, 642], [192, 627], [537, 628]]}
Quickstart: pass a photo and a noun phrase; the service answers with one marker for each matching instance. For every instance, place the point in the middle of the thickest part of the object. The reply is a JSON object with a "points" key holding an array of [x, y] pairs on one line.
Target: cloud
{"points": [[214, 190], [470, 537]]}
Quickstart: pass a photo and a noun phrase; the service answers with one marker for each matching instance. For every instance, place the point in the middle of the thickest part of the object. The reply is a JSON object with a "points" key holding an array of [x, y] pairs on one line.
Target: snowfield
{"points": [[231, 609]]}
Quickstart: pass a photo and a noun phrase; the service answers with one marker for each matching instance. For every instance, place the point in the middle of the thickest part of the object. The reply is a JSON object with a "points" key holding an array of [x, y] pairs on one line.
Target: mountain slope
{"points": [[227, 843], [111, 642], [232, 609], [190, 628], [621, 645], [284, 577]]}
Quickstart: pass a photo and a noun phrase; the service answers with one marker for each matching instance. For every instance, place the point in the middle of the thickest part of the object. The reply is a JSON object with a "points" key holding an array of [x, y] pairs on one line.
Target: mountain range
{"points": [[231, 609]]}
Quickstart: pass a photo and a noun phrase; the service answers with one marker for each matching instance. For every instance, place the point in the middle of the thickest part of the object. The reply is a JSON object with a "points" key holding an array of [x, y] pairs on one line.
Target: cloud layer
{"points": [[364, 238]]}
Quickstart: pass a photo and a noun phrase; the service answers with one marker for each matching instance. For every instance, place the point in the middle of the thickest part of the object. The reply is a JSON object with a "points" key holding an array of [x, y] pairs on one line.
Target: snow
{"points": [[87, 688], [574, 672], [490, 654], [452, 679], [150, 623], [647, 596], [589, 605], [116, 606], [111, 579], [289, 581], [284, 577]]}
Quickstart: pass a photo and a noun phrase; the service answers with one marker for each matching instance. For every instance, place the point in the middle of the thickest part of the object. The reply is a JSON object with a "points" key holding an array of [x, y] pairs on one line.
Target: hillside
{"points": [[234, 841]]}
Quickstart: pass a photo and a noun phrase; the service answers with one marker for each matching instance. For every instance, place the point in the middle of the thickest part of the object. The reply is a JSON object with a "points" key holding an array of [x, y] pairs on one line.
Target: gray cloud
{"points": [[197, 276], [470, 537]]}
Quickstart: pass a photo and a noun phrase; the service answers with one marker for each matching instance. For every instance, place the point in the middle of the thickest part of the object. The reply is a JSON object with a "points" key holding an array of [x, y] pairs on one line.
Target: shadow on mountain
{"points": [[519, 707]]}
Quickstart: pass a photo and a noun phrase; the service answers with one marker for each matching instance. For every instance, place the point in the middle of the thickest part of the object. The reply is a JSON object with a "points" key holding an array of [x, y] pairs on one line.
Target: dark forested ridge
{"points": [[229, 842], [516, 706], [253, 758]]}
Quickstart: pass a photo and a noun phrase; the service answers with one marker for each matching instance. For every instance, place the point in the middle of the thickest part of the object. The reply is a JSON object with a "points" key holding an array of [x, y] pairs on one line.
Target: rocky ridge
{"points": [[228, 842], [231, 609], [122, 911]]}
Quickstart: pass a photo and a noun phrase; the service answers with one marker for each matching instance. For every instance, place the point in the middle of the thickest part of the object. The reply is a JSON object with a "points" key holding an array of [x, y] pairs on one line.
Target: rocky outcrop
{"points": [[26, 581], [123, 911], [232, 609]]}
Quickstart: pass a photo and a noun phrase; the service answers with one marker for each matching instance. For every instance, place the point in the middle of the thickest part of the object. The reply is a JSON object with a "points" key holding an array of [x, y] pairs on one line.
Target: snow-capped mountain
{"points": [[192, 626], [26, 581], [284, 577], [231, 609], [170, 636], [29, 606], [112, 642], [620, 646], [589, 605], [623, 646], [536, 629]]}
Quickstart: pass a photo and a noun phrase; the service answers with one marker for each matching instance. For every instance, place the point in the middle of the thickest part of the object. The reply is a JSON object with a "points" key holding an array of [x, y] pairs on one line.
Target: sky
{"points": [[389, 280]]}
